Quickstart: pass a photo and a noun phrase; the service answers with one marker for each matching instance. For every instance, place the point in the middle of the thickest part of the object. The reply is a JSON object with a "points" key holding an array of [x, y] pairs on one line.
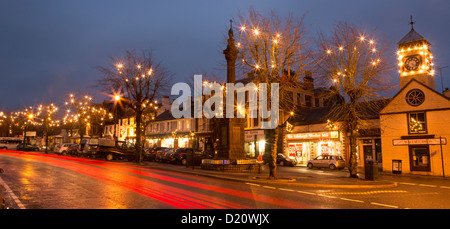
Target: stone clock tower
{"points": [[415, 59]]}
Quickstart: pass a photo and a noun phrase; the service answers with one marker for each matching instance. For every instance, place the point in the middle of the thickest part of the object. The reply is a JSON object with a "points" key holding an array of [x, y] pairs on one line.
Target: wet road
{"points": [[43, 181], [48, 181]]}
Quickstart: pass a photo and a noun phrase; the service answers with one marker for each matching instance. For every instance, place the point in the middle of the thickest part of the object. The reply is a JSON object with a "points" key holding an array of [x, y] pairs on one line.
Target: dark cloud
{"points": [[50, 48]]}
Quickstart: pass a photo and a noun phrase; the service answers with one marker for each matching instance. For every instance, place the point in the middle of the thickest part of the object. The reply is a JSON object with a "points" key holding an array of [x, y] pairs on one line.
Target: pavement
{"points": [[287, 176]]}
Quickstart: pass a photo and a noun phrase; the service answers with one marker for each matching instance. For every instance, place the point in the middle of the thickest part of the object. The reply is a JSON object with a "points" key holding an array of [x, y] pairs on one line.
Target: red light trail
{"points": [[122, 175]]}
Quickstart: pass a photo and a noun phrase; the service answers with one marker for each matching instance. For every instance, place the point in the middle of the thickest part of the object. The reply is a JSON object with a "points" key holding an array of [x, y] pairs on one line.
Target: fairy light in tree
{"points": [[361, 45]]}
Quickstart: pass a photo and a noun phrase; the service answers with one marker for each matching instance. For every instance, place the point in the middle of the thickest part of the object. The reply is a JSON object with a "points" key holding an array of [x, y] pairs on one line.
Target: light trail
{"points": [[118, 174]]}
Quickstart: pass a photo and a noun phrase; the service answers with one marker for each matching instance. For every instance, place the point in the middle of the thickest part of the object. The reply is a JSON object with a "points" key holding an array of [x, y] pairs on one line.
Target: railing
{"points": [[238, 166]]}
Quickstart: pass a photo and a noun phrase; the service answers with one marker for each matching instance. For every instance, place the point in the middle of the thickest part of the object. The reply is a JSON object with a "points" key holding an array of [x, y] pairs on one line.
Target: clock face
{"points": [[412, 63]]}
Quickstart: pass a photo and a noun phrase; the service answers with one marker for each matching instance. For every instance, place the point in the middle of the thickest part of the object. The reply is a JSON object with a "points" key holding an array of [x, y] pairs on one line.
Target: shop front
{"points": [[169, 141], [305, 146], [255, 142]]}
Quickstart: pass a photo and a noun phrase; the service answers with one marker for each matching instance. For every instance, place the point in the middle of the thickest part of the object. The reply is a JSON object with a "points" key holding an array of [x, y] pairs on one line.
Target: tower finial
{"points": [[411, 22]]}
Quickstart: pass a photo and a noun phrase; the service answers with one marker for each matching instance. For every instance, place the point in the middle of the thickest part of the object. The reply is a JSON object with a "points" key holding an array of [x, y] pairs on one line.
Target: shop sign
{"points": [[315, 135], [425, 141], [250, 135], [31, 133]]}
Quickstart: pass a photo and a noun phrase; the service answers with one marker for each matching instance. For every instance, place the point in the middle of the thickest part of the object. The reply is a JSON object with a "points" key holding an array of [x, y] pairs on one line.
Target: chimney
{"points": [[308, 81], [165, 105], [446, 93], [166, 102]]}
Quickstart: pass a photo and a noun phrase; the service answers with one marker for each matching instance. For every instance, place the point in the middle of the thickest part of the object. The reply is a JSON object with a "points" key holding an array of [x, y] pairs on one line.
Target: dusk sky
{"points": [[49, 48]]}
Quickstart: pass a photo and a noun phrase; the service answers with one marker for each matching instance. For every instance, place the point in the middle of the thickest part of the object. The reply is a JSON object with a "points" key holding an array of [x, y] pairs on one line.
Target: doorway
{"points": [[368, 153], [419, 158]]}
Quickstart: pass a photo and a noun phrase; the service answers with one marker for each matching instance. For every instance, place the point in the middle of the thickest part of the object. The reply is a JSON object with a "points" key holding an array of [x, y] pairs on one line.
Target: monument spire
{"points": [[231, 53]]}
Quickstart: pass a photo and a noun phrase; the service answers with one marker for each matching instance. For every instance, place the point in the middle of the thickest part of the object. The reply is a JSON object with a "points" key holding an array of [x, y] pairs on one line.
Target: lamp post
{"points": [[117, 100]]}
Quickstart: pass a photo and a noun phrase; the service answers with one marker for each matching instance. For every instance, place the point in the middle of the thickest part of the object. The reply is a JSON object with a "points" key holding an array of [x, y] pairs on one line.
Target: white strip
{"points": [[269, 187], [427, 185], [253, 184], [11, 193], [407, 183], [359, 201], [290, 190], [444, 187], [326, 196], [309, 193], [385, 205]]}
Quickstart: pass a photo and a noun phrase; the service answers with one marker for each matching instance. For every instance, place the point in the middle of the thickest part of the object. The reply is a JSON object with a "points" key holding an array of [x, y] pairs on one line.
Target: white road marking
{"points": [[359, 201], [269, 187], [289, 190], [428, 185], [384, 205], [309, 193], [407, 183], [11, 194], [253, 184], [326, 196]]}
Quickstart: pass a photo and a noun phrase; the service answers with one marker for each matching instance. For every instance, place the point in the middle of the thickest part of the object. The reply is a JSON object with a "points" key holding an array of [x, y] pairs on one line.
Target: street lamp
{"points": [[117, 100]]}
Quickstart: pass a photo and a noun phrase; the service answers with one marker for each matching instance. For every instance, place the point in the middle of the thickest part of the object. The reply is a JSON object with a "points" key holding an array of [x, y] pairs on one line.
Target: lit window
{"points": [[417, 122]]}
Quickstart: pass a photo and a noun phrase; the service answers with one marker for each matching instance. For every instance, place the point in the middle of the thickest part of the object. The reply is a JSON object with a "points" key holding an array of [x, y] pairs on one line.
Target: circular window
{"points": [[415, 97]]}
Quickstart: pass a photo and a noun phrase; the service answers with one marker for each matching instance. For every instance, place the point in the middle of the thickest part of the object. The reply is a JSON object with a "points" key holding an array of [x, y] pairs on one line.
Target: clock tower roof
{"points": [[411, 37]]}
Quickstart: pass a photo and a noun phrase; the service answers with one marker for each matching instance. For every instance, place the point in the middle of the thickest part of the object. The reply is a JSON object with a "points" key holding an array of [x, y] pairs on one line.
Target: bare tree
{"points": [[274, 50], [80, 106], [142, 80], [356, 66], [46, 114]]}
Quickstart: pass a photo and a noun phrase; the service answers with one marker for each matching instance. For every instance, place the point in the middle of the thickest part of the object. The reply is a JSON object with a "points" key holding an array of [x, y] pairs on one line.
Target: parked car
{"points": [[10, 142], [42, 147], [27, 147], [111, 151], [182, 155], [150, 153], [327, 161], [168, 156], [92, 145], [63, 149], [162, 155], [72, 150], [282, 160]]}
